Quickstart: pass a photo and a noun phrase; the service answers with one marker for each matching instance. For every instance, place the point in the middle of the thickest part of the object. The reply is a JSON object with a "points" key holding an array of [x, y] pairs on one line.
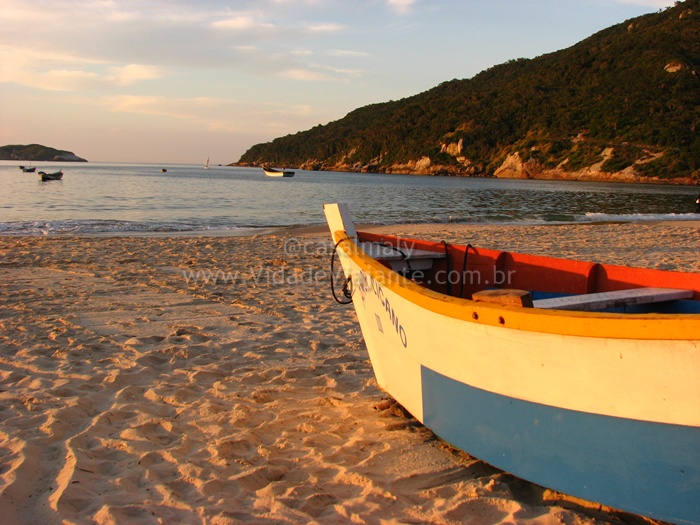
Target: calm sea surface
{"points": [[113, 198]]}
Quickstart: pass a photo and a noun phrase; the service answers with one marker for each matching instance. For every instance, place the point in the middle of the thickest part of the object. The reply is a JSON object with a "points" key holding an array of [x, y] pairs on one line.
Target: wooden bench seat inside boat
{"points": [[615, 299], [340, 219], [397, 257], [583, 302], [504, 296]]}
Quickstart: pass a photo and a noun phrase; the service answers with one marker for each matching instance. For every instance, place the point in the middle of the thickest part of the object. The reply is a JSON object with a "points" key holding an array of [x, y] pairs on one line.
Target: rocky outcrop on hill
{"points": [[515, 168], [37, 152], [512, 167]]}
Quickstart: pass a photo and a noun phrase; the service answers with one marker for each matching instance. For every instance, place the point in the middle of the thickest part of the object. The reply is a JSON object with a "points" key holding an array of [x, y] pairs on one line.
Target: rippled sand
{"points": [[214, 380]]}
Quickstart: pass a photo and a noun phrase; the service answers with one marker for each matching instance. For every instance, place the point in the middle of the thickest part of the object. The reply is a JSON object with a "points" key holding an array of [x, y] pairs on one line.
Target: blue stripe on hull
{"points": [[647, 468]]}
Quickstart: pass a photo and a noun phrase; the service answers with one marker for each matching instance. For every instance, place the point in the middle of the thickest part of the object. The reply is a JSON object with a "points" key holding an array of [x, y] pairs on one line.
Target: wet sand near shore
{"points": [[213, 380]]}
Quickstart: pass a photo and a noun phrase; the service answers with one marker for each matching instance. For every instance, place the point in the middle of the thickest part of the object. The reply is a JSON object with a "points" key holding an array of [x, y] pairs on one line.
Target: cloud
{"points": [[236, 22], [346, 53], [50, 71], [215, 115], [321, 73], [153, 105], [242, 22], [65, 80], [307, 75], [252, 23], [18, 56], [55, 71], [348, 73], [125, 42], [401, 6], [301, 52], [134, 73], [325, 28]]}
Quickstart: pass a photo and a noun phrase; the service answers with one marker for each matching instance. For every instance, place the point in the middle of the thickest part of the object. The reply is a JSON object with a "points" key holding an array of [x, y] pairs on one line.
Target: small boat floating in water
{"points": [[57, 175], [578, 376], [28, 169], [271, 172]]}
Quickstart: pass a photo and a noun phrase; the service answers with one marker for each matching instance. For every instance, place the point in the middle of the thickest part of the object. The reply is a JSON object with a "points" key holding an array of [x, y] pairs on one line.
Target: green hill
{"points": [[623, 104], [37, 152]]}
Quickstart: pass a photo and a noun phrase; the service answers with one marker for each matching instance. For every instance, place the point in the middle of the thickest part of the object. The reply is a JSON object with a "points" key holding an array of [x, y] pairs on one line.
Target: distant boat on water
{"points": [[206, 164], [56, 175], [28, 169], [271, 172]]}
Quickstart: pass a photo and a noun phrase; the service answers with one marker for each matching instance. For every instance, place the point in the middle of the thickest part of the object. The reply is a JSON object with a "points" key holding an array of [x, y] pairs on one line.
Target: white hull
{"points": [[605, 407], [278, 173]]}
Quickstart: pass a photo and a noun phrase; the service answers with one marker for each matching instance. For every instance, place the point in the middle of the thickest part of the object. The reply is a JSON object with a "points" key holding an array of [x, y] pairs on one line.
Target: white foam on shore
{"points": [[133, 228], [638, 217]]}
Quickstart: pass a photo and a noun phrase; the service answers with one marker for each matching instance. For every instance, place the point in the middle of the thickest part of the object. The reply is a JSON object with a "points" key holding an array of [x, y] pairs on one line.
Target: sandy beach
{"points": [[213, 380]]}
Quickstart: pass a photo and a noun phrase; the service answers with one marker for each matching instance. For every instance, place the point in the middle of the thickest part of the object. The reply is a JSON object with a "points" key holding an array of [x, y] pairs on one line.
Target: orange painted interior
{"points": [[531, 272]]}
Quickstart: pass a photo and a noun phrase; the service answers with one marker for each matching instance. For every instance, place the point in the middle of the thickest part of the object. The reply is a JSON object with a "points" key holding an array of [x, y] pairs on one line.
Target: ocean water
{"points": [[96, 198]]}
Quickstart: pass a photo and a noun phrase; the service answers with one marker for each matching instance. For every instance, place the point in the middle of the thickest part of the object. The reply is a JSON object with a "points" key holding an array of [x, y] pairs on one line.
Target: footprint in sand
{"points": [[145, 341], [234, 449], [261, 477], [309, 500], [155, 361], [158, 432]]}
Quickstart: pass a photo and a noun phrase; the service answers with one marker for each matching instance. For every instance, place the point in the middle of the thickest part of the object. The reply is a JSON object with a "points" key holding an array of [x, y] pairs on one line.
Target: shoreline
{"points": [[318, 229], [506, 171], [213, 380]]}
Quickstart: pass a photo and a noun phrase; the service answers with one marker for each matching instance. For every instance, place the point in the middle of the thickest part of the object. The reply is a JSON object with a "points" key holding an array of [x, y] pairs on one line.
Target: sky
{"points": [[177, 81]]}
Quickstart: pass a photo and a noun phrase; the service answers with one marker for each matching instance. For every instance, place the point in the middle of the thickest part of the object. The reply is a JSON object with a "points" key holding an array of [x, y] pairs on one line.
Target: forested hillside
{"points": [[37, 152], [625, 101]]}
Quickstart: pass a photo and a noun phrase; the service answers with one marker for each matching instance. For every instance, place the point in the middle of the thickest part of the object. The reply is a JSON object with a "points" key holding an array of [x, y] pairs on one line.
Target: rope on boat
{"points": [[464, 269], [449, 272], [347, 285], [408, 270], [347, 290]]}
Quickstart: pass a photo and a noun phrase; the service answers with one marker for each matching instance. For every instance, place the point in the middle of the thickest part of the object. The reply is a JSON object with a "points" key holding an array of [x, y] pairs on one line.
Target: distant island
{"points": [[37, 152], [622, 105]]}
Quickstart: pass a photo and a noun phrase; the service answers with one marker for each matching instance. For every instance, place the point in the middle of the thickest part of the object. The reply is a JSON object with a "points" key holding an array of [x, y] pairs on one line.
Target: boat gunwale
{"points": [[647, 326]]}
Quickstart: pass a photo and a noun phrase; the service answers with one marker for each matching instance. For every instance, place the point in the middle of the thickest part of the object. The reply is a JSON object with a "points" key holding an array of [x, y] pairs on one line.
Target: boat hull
{"points": [[611, 419], [50, 176], [278, 173], [594, 457]]}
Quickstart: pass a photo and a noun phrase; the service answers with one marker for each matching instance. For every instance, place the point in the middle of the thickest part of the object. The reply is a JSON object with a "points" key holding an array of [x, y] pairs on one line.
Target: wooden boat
{"points": [[578, 376], [271, 172], [28, 169], [57, 175]]}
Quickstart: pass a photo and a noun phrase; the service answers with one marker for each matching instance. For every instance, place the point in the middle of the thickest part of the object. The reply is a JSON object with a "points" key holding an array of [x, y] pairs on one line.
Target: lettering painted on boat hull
{"points": [[369, 287]]}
